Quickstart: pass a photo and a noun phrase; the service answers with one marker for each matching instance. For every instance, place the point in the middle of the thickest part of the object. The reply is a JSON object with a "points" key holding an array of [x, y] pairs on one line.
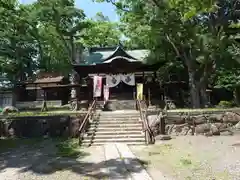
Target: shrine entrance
{"points": [[122, 92], [121, 86]]}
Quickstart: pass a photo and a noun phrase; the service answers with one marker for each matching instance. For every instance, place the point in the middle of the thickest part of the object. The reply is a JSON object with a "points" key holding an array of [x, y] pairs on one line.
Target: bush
{"points": [[226, 104]]}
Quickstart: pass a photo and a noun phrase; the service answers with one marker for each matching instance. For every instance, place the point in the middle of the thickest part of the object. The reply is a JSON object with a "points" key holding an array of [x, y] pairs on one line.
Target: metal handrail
{"points": [[85, 122], [149, 137]]}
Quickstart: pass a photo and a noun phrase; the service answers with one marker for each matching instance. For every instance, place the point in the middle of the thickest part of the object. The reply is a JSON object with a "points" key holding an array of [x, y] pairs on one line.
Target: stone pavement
{"points": [[128, 166]]}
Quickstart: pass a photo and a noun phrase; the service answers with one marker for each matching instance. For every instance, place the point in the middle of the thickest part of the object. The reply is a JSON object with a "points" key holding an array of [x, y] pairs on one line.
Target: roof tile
{"points": [[49, 80], [99, 55]]}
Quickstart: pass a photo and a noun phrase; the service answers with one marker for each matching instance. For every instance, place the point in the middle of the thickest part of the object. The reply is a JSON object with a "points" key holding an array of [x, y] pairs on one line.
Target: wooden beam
{"points": [[138, 74]]}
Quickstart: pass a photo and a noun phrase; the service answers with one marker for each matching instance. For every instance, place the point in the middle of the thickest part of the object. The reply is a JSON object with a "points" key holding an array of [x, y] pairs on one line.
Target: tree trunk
{"points": [[204, 97], [194, 91], [203, 82], [236, 95], [202, 88]]}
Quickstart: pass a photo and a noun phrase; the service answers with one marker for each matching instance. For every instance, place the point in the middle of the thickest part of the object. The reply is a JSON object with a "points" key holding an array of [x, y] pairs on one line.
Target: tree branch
{"points": [[173, 45], [156, 3], [116, 5]]}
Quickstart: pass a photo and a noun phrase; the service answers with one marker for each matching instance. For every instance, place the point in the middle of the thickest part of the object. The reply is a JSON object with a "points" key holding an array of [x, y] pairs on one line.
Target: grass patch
{"points": [[39, 113], [186, 162], [203, 110], [8, 144], [68, 148]]}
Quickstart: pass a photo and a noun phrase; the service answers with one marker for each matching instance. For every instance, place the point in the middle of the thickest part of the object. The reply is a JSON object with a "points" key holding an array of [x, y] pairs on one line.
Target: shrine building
{"points": [[121, 70]]}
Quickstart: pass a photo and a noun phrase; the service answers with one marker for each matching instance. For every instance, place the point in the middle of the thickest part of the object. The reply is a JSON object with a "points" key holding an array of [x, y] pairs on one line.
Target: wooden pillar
{"points": [[149, 96], [40, 94], [90, 89], [44, 105], [162, 125]]}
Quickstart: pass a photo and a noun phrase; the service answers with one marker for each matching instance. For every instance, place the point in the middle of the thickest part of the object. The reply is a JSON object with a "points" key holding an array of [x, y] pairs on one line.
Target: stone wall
{"points": [[41, 126], [224, 123], [37, 104]]}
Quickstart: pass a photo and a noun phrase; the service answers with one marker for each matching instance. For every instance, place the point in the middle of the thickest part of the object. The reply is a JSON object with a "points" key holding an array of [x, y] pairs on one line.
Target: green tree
{"points": [[60, 23], [102, 33], [193, 31], [17, 46]]}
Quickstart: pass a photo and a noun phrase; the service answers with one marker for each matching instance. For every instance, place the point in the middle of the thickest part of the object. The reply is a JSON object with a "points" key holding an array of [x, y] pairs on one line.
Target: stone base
{"points": [[226, 123], [113, 105], [41, 126]]}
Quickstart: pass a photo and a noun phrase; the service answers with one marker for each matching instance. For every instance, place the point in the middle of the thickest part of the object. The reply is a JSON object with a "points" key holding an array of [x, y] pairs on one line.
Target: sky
{"points": [[91, 8]]}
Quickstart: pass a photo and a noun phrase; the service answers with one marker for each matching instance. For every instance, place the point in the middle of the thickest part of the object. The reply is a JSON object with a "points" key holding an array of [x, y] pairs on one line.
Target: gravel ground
{"points": [[182, 158], [193, 158], [42, 163]]}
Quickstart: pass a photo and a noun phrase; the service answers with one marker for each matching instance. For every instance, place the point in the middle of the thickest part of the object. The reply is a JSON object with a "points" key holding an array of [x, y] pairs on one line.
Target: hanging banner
{"points": [[140, 91], [128, 79], [97, 86], [113, 80], [106, 92]]}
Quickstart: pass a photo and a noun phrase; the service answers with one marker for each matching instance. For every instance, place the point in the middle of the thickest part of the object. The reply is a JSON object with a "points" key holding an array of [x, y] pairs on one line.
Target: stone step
{"points": [[116, 136], [118, 117], [120, 122], [116, 140], [115, 122], [84, 144], [117, 128], [121, 126], [119, 113], [126, 125], [123, 132]]}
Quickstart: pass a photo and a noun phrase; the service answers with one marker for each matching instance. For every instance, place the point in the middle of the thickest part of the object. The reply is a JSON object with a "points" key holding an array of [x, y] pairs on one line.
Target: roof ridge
{"points": [[117, 50], [94, 49]]}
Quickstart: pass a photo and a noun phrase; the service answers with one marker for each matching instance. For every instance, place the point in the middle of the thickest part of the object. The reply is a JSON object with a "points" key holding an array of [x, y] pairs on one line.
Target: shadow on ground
{"points": [[42, 159]]}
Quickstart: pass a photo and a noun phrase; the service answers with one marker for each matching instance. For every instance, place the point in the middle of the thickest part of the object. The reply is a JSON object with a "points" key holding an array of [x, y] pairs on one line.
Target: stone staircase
{"points": [[115, 127], [119, 104]]}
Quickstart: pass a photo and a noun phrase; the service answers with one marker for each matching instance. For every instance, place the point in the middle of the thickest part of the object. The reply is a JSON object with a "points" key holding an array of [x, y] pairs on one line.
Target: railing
{"points": [[149, 137], [85, 123]]}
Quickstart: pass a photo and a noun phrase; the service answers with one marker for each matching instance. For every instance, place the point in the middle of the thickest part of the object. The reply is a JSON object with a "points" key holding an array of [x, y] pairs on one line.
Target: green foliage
{"points": [[186, 162], [200, 37], [44, 35], [68, 148], [12, 143], [202, 34], [17, 46], [227, 78], [103, 33], [59, 22], [226, 104], [39, 113]]}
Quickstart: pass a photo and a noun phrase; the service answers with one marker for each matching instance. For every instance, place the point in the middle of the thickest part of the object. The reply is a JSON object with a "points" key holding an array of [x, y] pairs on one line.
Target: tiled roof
{"points": [[49, 80], [99, 55]]}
